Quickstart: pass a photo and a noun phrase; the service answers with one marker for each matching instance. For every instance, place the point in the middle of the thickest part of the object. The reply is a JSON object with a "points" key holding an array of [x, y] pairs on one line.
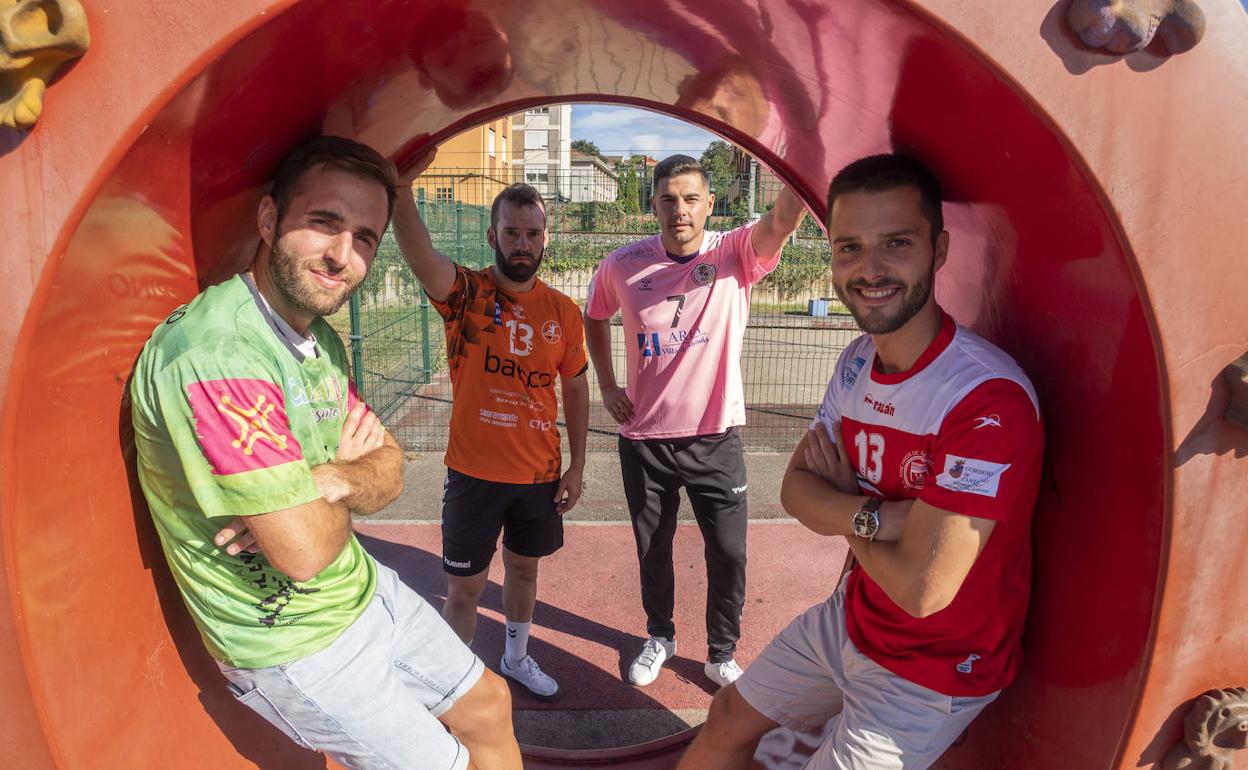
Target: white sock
{"points": [[517, 644]]}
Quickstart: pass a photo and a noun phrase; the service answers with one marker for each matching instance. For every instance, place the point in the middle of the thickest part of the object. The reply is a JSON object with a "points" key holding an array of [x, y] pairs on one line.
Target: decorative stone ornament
{"points": [[1123, 26], [37, 38], [1236, 377], [1214, 729]]}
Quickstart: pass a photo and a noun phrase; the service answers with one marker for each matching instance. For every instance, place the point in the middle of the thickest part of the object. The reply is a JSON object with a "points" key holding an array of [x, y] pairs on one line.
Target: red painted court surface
{"points": [[589, 623]]}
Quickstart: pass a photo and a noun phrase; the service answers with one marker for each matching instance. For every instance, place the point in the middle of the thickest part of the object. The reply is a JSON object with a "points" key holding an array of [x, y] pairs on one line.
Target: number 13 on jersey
{"points": [[870, 448], [520, 336]]}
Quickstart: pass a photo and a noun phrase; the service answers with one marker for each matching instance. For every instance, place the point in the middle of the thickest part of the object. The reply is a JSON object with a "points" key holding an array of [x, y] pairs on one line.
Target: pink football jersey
{"points": [[684, 322]]}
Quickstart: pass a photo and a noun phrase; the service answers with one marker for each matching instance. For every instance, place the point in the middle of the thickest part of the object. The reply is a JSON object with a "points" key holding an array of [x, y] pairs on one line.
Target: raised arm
{"points": [[434, 270], [775, 227]]}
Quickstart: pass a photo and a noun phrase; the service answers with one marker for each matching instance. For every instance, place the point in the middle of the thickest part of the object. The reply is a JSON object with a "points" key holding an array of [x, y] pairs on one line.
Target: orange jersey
{"points": [[505, 352]]}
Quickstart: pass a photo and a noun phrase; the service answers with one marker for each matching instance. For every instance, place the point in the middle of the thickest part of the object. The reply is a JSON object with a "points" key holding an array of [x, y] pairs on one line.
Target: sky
{"points": [[626, 130]]}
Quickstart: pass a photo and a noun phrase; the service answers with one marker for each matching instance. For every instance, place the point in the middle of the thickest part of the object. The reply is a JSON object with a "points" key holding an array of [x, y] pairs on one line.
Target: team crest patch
{"points": [[551, 332], [915, 467], [850, 374], [242, 425], [969, 474], [704, 274]]}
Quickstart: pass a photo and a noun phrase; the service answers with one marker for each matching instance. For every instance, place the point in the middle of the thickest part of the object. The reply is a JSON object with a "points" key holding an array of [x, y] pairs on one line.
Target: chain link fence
{"points": [[795, 333]]}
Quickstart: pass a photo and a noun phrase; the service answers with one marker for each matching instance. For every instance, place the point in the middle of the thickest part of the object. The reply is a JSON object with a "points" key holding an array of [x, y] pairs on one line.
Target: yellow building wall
{"points": [[465, 171]]}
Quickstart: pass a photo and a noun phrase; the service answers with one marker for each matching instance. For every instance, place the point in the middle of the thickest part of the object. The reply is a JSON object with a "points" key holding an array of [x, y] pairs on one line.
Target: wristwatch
{"points": [[866, 520]]}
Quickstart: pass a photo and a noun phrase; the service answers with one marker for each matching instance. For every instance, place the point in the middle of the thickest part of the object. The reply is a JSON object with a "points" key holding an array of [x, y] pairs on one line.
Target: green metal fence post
{"points": [[426, 347], [357, 343], [459, 232], [481, 252]]}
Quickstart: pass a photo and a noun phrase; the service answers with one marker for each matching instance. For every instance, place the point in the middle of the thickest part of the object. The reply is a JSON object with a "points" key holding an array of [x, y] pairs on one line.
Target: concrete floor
{"points": [[602, 498]]}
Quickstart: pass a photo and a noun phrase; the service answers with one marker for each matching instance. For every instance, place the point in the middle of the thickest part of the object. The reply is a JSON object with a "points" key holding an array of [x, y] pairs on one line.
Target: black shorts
{"points": [[474, 511]]}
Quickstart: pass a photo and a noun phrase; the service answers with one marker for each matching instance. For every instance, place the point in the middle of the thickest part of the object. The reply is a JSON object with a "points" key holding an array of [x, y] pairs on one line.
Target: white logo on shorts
{"points": [[965, 666], [739, 490], [457, 564]]}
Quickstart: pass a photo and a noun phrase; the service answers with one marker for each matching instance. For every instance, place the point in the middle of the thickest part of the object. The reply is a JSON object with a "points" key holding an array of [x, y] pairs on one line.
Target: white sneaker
{"points": [[527, 673], [645, 668], [723, 674]]}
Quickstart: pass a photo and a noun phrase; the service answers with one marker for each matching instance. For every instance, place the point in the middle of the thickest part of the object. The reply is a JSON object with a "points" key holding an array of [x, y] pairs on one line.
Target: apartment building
{"points": [[471, 167], [591, 179], [542, 150]]}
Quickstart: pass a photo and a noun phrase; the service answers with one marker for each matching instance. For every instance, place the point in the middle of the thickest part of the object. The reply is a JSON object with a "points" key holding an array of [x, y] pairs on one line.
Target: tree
{"points": [[629, 187], [719, 160], [589, 148]]}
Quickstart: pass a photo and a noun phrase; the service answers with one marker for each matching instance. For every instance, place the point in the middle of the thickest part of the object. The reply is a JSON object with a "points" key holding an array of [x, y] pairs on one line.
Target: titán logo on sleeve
{"points": [[242, 425]]}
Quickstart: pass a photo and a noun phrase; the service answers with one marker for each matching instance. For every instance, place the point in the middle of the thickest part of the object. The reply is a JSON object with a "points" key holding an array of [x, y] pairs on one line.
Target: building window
{"points": [[492, 143], [538, 111], [444, 194], [536, 140]]}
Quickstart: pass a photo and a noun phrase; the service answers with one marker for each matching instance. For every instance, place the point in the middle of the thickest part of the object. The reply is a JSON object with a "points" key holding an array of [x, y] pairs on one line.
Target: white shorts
{"points": [[811, 673]]}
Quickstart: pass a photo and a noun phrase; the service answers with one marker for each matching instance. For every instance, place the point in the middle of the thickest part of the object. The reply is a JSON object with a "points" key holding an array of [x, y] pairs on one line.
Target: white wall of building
{"points": [[547, 157]]}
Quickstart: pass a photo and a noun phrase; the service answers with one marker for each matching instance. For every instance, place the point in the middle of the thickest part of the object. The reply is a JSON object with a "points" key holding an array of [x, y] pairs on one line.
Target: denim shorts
{"points": [[371, 700]]}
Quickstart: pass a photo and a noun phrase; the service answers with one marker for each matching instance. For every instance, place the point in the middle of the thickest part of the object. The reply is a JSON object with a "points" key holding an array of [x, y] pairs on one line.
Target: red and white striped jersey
{"points": [[961, 431]]}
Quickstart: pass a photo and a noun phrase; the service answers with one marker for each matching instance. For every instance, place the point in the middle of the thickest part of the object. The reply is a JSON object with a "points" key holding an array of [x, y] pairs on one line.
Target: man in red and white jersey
{"points": [[926, 455]]}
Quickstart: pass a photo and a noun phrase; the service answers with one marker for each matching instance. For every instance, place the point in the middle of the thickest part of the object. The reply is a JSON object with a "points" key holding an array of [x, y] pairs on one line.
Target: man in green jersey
{"points": [[248, 429]]}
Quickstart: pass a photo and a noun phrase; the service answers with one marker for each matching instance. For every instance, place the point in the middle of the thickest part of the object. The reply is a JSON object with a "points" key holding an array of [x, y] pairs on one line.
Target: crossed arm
{"points": [[365, 476], [921, 553]]}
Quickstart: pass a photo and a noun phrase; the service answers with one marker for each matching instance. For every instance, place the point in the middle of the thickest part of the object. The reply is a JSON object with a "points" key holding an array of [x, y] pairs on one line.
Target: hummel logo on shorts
{"points": [[739, 490]]}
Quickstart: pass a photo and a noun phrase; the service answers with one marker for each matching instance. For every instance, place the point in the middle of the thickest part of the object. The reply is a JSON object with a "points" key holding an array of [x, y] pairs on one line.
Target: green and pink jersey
{"points": [[229, 419]]}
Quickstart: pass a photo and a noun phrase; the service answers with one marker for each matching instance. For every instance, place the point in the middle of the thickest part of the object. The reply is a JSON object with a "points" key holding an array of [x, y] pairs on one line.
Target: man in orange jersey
{"points": [[509, 336]]}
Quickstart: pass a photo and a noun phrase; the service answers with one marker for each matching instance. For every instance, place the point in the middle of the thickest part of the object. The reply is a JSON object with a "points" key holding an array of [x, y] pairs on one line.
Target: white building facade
{"points": [[542, 148], [591, 180]]}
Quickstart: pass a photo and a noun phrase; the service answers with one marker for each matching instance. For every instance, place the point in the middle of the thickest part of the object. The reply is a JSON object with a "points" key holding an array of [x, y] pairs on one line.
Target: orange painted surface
{"points": [[1097, 220]]}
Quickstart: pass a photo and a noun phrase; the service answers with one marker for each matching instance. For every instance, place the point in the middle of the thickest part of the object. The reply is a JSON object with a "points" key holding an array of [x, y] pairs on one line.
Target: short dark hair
{"points": [[676, 165], [333, 152], [518, 194], [877, 173]]}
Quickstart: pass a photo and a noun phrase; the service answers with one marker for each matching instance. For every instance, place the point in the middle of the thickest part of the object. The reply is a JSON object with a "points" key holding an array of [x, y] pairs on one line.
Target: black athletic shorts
{"points": [[475, 511]]}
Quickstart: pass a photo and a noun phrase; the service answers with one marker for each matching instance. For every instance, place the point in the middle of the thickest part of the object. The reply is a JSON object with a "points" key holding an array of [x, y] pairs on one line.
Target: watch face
{"points": [[865, 524]]}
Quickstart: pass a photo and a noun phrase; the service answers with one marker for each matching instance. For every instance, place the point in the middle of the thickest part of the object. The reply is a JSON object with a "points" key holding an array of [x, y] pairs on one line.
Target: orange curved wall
{"points": [[1096, 212]]}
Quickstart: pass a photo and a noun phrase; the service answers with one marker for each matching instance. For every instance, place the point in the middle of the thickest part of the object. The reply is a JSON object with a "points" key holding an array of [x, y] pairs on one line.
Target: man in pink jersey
{"points": [[926, 456], [684, 297]]}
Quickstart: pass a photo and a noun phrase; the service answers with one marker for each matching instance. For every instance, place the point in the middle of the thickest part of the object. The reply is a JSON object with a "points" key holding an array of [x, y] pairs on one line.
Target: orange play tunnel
{"points": [[1097, 219]]}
